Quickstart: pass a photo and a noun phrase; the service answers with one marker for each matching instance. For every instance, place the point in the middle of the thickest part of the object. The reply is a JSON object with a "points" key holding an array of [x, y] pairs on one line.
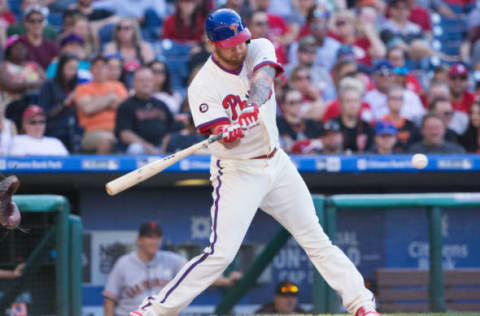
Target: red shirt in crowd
{"points": [[183, 33], [9, 17], [333, 110], [361, 45], [420, 16], [464, 104], [277, 25]]}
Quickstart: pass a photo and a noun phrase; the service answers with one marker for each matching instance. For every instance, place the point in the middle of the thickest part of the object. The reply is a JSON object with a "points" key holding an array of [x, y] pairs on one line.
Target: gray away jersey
{"points": [[132, 279]]}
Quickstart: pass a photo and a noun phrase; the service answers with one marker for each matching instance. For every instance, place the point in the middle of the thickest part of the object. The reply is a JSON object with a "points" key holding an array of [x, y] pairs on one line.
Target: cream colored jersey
{"points": [[217, 95]]}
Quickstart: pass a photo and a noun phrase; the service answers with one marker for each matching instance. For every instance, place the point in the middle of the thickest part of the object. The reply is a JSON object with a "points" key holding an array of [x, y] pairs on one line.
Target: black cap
{"points": [[286, 288], [149, 229]]}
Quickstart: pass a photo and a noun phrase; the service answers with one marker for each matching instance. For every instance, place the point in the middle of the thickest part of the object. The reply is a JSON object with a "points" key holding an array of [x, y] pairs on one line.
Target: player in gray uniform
{"points": [[140, 273]]}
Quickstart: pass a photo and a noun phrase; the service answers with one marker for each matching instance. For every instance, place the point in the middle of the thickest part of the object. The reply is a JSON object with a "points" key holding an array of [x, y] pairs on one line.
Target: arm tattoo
{"points": [[261, 85]]}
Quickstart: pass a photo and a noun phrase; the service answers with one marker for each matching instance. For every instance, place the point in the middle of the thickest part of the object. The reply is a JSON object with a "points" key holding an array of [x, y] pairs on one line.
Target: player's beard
{"points": [[234, 61]]}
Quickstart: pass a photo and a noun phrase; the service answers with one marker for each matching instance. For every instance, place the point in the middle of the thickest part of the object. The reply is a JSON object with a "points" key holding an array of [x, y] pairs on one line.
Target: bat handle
{"points": [[215, 138]]}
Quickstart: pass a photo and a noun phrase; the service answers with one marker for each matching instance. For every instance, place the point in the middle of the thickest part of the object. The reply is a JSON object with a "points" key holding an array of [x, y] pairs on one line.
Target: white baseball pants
{"points": [[274, 185]]}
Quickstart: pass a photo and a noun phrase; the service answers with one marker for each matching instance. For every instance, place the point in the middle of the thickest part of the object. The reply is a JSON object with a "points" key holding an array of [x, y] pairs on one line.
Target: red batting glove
{"points": [[230, 133], [248, 116]]}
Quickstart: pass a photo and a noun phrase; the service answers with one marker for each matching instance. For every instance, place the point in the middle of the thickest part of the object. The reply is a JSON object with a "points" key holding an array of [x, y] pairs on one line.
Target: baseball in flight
{"points": [[419, 161]]}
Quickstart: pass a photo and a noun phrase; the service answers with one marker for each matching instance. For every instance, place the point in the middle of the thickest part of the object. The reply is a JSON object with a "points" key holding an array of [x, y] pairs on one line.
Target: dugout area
{"points": [[50, 245]]}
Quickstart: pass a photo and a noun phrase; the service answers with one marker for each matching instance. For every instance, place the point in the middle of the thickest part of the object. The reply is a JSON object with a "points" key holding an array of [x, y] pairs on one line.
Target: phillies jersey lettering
{"points": [[213, 104]]}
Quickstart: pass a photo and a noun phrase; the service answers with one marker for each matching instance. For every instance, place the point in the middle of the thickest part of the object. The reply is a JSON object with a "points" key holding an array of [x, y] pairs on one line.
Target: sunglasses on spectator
{"points": [[35, 21], [447, 113], [294, 102], [36, 122], [340, 23], [458, 77]]}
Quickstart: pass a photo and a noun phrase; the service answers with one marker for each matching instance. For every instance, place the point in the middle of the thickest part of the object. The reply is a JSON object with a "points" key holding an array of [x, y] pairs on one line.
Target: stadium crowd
{"points": [[366, 76]]}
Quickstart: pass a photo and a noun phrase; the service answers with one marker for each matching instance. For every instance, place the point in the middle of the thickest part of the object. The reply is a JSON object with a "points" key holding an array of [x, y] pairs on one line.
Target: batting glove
{"points": [[248, 116], [230, 133]]}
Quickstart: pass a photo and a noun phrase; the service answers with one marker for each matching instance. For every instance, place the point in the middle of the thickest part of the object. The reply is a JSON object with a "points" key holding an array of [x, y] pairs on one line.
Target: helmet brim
{"points": [[241, 37]]}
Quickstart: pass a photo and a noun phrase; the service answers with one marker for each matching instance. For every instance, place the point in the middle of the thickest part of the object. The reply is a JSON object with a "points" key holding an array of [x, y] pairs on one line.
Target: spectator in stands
{"points": [[313, 106], [128, 42], [143, 121], [259, 27], [377, 98], [443, 109], [57, 100], [462, 99], [186, 25], [440, 90], [19, 79], [240, 6], [421, 17], [361, 35], [349, 81], [297, 15], [279, 31], [471, 139], [7, 18], [183, 138], [144, 271], [116, 71], [73, 44], [357, 134], [81, 27], [138, 11], [285, 300], [140, 273], [433, 142], [40, 50], [397, 57], [97, 104], [94, 15], [440, 73], [406, 131], [7, 129], [162, 87], [297, 134], [399, 27], [385, 138], [326, 46], [19, 29], [332, 138], [320, 76], [33, 142]]}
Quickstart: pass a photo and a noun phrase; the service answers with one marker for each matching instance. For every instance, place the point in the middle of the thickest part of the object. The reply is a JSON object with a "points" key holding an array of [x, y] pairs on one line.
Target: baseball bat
{"points": [[149, 170]]}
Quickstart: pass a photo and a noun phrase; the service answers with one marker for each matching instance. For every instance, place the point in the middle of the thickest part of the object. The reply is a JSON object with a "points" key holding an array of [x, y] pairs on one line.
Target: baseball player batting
{"points": [[233, 94]]}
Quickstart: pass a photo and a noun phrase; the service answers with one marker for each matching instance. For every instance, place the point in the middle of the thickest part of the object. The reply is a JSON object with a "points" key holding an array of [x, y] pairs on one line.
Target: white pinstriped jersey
{"points": [[217, 95]]}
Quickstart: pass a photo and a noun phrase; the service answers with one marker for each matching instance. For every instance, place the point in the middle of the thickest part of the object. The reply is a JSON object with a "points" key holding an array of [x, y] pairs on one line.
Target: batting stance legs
{"points": [[274, 185]]}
